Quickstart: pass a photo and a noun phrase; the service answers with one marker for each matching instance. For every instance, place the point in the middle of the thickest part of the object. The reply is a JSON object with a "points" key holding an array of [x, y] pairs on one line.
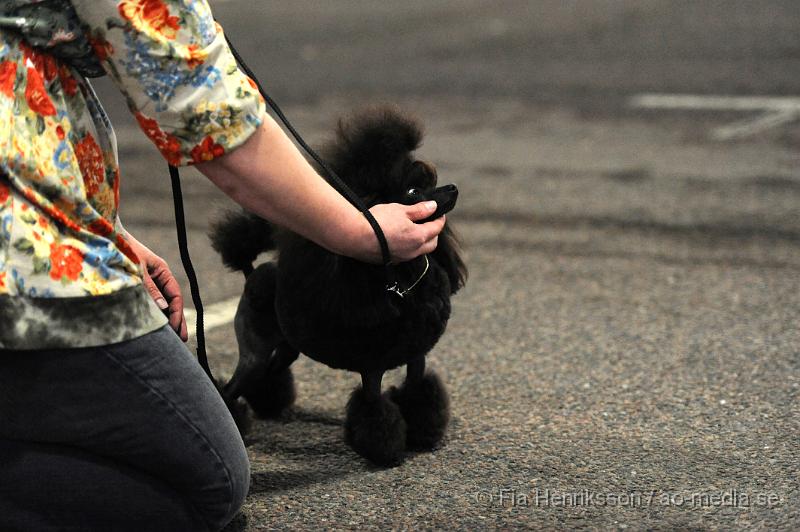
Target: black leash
{"points": [[194, 286], [335, 181]]}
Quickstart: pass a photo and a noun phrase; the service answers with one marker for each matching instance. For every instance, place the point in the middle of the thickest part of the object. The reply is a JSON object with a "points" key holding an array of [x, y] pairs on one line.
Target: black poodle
{"points": [[338, 311]]}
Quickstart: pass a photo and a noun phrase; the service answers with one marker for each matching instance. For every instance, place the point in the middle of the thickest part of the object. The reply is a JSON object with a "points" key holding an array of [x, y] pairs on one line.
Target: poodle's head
{"points": [[373, 152]]}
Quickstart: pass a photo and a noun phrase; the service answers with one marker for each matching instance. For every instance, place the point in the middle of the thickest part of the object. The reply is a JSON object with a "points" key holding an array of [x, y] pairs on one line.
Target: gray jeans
{"points": [[130, 436]]}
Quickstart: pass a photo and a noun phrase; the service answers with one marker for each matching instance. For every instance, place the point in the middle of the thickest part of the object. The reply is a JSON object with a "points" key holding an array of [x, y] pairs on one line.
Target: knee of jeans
{"points": [[238, 466]]}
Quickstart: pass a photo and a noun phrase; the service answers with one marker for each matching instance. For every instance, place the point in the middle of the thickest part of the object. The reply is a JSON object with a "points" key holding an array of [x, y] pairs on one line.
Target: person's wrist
{"points": [[354, 237]]}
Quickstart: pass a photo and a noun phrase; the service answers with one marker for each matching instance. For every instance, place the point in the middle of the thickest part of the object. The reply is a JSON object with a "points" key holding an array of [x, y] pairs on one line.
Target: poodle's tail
{"points": [[239, 237]]}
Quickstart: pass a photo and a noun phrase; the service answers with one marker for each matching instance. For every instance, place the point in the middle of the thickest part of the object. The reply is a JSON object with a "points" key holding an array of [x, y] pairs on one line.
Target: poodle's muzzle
{"points": [[445, 197]]}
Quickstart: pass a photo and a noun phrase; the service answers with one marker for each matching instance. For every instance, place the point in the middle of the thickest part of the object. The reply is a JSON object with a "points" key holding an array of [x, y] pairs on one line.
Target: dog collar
{"points": [[395, 287]]}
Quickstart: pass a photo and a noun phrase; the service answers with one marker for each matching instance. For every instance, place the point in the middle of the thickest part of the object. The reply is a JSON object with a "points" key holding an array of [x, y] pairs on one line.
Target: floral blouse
{"points": [[68, 278]]}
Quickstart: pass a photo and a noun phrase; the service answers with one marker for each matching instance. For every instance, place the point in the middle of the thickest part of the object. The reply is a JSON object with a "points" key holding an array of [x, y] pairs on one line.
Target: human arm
{"points": [[268, 176], [182, 84]]}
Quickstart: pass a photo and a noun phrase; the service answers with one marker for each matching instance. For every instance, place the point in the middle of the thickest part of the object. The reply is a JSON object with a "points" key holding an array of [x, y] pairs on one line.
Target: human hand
{"points": [[162, 286], [406, 239]]}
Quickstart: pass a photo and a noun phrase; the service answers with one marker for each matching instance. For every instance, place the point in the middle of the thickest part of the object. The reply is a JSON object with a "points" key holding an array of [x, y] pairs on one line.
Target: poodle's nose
{"points": [[446, 195], [447, 192]]}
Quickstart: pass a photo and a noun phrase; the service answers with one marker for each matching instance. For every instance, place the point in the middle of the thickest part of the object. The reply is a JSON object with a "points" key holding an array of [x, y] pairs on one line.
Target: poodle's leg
{"points": [[257, 339], [258, 335], [275, 391], [371, 383], [260, 345], [249, 372], [374, 427], [425, 406], [415, 371], [257, 330]]}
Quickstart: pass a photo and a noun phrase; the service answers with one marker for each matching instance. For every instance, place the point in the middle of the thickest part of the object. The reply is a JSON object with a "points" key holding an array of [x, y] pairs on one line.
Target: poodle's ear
{"points": [[448, 255], [374, 139]]}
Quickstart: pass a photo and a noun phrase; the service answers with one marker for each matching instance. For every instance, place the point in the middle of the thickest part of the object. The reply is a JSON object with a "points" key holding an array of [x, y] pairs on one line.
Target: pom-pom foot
{"points": [[375, 429], [273, 395], [425, 407]]}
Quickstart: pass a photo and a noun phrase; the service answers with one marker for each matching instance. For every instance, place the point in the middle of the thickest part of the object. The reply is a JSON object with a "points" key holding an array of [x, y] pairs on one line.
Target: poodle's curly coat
{"points": [[336, 310]]}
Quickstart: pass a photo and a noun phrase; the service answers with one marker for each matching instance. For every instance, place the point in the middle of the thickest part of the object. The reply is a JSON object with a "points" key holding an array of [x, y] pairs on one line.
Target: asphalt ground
{"points": [[626, 353]]}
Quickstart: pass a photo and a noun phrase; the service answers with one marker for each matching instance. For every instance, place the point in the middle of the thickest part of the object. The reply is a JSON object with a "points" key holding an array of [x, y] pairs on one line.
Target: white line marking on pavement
{"points": [[776, 110], [215, 315], [752, 126], [720, 103]]}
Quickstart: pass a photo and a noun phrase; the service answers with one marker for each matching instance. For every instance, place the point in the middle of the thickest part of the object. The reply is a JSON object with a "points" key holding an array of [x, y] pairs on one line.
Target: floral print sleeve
{"points": [[68, 277], [170, 59]]}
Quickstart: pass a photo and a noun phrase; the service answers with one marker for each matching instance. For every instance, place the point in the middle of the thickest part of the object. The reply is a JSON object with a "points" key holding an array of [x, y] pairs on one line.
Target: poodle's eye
{"points": [[412, 191]]}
